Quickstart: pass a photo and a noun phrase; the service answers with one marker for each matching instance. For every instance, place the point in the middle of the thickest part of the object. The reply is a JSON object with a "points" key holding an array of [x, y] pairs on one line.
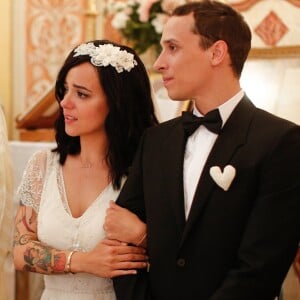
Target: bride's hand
{"points": [[109, 259]]}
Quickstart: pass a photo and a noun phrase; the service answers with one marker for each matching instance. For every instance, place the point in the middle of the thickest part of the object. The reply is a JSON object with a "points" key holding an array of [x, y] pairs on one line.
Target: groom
{"points": [[221, 198]]}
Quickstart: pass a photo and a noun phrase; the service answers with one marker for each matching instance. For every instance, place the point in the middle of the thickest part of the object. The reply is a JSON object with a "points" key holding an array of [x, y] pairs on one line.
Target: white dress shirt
{"points": [[198, 147]]}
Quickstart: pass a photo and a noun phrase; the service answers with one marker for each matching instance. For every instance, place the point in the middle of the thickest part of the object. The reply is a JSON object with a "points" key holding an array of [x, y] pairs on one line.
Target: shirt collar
{"points": [[226, 108]]}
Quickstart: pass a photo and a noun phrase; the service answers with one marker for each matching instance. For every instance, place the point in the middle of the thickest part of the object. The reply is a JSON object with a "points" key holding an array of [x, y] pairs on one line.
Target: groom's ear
{"points": [[218, 52]]}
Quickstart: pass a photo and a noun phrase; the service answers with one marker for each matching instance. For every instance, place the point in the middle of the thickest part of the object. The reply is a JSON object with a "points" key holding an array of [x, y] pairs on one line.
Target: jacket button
{"points": [[181, 262]]}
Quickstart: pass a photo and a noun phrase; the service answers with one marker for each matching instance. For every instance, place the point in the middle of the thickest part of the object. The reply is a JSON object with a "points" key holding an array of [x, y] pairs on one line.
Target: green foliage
{"points": [[142, 35]]}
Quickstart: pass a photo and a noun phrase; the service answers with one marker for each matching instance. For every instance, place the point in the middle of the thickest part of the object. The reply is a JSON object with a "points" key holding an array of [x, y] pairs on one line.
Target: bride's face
{"points": [[84, 103]]}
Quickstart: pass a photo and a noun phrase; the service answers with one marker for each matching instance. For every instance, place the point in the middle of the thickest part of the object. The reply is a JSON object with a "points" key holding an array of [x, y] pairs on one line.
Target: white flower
{"points": [[158, 22], [108, 54], [84, 49], [142, 21], [119, 20], [144, 9]]}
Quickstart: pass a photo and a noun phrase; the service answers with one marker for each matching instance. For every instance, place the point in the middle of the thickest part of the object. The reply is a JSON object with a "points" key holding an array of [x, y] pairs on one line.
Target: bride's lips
{"points": [[69, 118]]}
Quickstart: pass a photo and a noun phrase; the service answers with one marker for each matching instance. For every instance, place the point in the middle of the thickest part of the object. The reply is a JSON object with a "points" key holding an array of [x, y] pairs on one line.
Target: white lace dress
{"points": [[42, 187]]}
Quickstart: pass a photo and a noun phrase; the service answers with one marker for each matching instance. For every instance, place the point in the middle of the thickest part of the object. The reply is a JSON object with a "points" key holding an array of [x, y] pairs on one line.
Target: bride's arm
{"points": [[107, 259], [30, 254]]}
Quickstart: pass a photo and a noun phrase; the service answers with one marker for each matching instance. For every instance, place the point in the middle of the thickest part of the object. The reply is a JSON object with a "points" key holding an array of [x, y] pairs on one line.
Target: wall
{"points": [[5, 60], [27, 85]]}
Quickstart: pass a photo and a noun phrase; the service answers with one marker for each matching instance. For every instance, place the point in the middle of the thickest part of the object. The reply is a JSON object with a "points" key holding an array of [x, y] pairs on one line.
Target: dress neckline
{"points": [[64, 198]]}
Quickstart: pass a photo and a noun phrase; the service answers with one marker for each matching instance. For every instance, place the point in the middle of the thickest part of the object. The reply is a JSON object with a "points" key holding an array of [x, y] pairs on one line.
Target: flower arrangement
{"points": [[141, 21]]}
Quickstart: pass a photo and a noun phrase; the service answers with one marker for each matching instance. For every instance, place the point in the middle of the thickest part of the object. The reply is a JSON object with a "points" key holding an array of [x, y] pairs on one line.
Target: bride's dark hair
{"points": [[131, 111]]}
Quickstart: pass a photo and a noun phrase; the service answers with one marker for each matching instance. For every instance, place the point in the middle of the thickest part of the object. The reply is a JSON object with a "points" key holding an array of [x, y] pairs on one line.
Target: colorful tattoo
{"points": [[26, 225], [38, 257], [44, 258]]}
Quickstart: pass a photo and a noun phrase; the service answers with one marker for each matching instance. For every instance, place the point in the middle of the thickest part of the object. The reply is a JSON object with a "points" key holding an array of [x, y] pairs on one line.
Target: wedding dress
{"points": [[42, 188]]}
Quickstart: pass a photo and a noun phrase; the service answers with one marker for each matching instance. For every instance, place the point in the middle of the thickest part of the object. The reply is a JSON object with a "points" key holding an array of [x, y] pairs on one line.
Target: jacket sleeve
{"points": [[133, 287]]}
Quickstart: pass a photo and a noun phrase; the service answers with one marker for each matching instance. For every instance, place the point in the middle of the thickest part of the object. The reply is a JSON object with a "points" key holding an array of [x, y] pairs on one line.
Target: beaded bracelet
{"points": [[68, 263]]}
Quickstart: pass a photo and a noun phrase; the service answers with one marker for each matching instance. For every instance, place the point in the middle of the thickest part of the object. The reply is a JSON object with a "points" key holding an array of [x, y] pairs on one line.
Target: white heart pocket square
{"points": [[224, 179]]}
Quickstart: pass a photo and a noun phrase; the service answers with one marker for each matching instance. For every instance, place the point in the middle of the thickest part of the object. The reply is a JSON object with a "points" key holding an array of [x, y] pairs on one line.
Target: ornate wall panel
{"points": [[44, 31], [275, 26], [53, 27], [271, 73]]}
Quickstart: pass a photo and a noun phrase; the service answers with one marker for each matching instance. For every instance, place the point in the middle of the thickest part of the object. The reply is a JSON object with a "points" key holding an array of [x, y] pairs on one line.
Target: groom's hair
{"points": [[218, 21]]}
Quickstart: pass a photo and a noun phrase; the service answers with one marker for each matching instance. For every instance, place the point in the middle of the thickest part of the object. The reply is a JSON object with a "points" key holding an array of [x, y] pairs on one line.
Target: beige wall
{"points": [[5, 60], [274, 75]]}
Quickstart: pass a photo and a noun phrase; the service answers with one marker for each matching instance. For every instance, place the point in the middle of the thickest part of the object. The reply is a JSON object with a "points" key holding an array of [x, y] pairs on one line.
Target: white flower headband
{"points": [[107, 54]]}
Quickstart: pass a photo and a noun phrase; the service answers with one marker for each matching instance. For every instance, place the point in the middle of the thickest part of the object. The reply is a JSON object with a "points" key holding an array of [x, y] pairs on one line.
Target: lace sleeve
{"points": [[31, 186]]}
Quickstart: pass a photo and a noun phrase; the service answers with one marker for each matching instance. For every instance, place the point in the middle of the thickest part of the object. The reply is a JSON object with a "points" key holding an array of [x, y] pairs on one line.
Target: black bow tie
{"points": [[212, 121]]}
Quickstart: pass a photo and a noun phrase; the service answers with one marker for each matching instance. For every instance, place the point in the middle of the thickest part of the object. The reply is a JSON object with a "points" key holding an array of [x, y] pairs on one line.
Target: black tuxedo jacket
{"points": [[236, 244]]}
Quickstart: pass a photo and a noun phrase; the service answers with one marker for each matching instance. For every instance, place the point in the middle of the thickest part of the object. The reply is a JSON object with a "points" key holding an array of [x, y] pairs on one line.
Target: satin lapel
{"points": [[233, 135], [173, 153]]}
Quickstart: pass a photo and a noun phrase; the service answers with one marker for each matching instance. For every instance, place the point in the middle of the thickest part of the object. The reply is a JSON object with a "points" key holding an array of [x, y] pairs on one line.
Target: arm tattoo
{"points": [[26, 225], [44, 259], [21, 221], [31, 219], [38, 257]]}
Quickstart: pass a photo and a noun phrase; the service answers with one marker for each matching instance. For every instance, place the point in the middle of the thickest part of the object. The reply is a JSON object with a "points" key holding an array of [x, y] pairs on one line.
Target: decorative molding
{"points": [[91, 20], [271, 29], [275, 52], [247, 4], [244, 5], [18, 61], [294, 2]]}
